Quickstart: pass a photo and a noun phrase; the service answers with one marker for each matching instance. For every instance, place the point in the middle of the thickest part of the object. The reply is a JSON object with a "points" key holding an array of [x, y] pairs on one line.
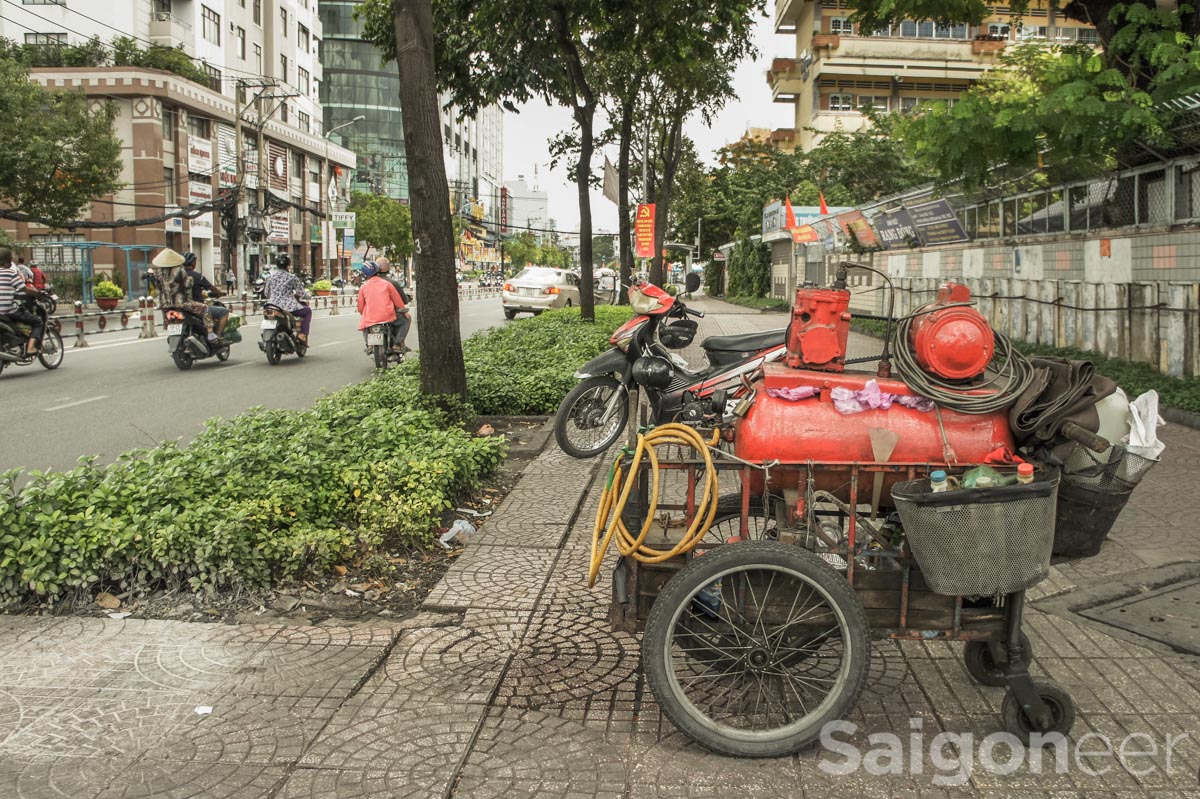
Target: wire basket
{"points": [[980, 541], [1095, 489]]}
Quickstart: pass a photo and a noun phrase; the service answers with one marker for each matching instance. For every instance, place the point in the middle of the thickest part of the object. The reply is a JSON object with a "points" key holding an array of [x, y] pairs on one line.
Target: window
{"points": [[258, 58], [998, 31], [210, 25], [258, 13], [170, 122], [1087, 35], [297, 163], [316, 88], [841, 25], [886, 30], [841, 102], [909, 103], [46, 38], [214, 77], [169, 185], [283, 68], [302, 80], [951, 32], [43, 2], [908, 28], [239, 33], [283, 26], [879, 103], [297, 203], [283, 112], [162, 6], [241, 3], [302, 37], [56, 256], [198, 127]]}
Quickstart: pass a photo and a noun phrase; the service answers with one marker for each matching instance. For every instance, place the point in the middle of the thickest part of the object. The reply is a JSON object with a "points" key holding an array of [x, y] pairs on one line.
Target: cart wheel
{"points": [[984, 669], [1062, 711], [753, 647]]}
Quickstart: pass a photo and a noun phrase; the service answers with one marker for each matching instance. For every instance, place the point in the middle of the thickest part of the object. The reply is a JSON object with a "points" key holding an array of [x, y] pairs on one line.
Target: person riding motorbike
{"points": [[380, 302], [281, 289], [180, 288], [201, 284], [11, 282]]}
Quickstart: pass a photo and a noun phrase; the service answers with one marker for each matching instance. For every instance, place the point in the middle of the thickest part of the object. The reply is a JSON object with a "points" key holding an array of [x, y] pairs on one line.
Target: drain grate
{"points": [[1169, 614]]}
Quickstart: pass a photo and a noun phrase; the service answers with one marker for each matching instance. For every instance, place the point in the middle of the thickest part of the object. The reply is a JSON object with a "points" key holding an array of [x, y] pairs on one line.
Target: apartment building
{"points": [[839, 70], [260, 72]]}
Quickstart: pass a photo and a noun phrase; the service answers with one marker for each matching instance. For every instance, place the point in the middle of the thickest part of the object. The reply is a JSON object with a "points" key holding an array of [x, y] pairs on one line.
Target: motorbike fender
{"points": [[173, 343], [612, 362]]}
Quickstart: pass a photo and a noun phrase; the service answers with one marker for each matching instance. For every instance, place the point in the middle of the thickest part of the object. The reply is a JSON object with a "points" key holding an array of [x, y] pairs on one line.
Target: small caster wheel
{"points": [[984, 669], [1062, 711]]}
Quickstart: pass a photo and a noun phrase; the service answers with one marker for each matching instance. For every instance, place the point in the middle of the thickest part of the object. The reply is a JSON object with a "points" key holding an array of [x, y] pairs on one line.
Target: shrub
{"points": [[106, 289], [322, 285]]}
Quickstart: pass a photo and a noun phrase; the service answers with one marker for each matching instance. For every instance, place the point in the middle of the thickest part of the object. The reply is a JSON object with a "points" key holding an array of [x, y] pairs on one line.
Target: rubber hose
{"points": [[621, 480]]}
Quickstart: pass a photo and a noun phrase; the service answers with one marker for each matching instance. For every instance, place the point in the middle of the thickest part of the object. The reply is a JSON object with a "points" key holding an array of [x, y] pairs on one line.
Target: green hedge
{"points": [[761, 303], [1136, 378], [272, 494]]}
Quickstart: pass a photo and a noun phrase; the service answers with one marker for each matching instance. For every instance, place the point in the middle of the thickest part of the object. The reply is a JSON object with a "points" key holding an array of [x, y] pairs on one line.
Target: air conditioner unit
{"points": [[162, 16]]}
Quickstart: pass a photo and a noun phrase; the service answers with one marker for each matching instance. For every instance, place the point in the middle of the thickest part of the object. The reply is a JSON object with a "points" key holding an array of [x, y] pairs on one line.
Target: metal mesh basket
{"points": [[1095, 489], [1115, 468], [980, 541]]}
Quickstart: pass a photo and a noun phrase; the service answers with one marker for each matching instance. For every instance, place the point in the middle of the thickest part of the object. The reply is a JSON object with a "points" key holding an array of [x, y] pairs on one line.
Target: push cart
{"points": [[760, 634]]}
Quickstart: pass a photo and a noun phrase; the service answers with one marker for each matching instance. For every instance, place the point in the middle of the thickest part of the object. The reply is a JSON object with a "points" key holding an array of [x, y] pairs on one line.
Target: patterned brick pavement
{"points": [[511, 683]]}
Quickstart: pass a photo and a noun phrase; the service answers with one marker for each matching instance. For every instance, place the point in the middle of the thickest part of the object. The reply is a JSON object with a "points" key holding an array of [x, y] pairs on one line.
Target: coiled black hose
{"points": [[1009, 374]]}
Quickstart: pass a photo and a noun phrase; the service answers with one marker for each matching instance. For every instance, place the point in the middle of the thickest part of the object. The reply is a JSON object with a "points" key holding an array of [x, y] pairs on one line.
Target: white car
{"points": [[539, 288]]}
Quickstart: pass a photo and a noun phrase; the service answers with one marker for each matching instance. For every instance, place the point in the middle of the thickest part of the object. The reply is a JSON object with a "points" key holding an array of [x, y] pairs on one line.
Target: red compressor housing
{"points": [[819, 330], [949, 340]]}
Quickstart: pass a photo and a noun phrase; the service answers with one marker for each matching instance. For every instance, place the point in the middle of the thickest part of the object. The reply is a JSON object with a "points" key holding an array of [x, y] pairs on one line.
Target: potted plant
{"points": [[322, 288], [107, 295]]}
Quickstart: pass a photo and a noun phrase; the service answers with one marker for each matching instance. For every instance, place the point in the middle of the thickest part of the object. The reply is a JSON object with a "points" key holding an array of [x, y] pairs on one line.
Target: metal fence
{"points": [[1152, 196]]}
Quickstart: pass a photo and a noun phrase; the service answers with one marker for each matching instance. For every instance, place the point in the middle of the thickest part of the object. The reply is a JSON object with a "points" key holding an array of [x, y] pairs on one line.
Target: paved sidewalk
{"points": [[509, 683]]}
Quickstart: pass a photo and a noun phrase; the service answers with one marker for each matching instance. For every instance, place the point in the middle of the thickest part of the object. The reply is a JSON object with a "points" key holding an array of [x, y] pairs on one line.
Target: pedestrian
{"points": [[230, 281]]}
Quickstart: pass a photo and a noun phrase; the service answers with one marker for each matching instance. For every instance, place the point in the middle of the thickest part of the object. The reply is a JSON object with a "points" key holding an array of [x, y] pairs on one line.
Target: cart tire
{"points": [[982, 667], [1062, 711], [679, 616]]}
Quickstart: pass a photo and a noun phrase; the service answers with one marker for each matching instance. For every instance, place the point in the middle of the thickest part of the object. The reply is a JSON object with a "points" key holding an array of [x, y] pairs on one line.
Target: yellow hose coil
{"points": [[620, 485]]}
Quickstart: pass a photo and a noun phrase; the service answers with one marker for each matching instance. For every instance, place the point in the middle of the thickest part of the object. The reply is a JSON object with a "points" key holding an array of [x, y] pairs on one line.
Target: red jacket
{"points": [[378, 301]]}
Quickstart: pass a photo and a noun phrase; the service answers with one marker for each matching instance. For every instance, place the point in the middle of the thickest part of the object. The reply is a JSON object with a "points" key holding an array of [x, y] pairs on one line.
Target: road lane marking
{"points": [[243, 363], [330, 344], [78, 402]]}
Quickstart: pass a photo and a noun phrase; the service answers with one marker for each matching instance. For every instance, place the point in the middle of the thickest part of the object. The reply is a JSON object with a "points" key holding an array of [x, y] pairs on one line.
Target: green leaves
{"points": [[383, 223]]}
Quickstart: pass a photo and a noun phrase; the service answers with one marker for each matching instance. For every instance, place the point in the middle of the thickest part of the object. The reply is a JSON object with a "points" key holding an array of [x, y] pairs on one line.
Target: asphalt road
{"points": [[123, 392]]}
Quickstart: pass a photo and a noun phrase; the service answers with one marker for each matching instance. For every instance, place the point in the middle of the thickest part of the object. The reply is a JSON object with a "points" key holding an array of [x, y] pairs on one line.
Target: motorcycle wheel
{"points": [[51, 355], [183, 360], [301, 350], [223, 355], [380, 355], [509, 314], [579, 426], [273, 353]]}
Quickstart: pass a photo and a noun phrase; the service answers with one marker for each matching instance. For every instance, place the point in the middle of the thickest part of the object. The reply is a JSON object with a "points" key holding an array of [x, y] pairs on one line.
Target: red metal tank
{"points": [[819, 330], [814, 430], [953, 342]]}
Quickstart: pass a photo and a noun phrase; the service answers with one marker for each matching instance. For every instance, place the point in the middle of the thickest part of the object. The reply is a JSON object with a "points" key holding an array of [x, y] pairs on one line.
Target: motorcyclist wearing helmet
{"points": [[379, 302], [281, 289], [201, 284], [403, 322], [179, 289]]}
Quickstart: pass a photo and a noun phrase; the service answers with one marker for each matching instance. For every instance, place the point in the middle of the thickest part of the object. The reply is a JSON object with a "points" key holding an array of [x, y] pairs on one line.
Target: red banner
{"points": [[854, 224], [643, 231], [804, 234]]}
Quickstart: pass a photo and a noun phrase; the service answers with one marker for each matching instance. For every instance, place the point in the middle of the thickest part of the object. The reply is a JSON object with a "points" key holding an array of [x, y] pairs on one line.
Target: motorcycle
{"points": [[187, 340], [280, 334], [14, 335], [593, 414], [379, 346]]}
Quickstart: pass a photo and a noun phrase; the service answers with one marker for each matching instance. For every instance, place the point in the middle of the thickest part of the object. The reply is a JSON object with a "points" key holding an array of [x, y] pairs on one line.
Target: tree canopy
{"points": [[383, 224], [59, 152]]}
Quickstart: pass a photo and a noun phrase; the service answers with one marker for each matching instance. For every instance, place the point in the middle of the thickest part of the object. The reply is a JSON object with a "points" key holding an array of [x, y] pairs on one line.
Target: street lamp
{"points": [[332, 196]]}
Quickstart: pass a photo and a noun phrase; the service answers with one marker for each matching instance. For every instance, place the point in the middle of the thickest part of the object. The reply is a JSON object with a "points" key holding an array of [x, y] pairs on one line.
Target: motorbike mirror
{"points": [[691, 283]]}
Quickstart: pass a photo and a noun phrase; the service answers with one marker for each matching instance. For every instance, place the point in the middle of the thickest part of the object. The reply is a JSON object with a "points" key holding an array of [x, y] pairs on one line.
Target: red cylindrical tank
{"points": [[953, 342], [797, 431]]}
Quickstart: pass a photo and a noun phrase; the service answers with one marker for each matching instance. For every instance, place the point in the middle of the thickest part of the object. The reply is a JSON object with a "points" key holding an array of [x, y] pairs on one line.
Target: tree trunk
{"points": [[623, 209], [587, 300], [442, 369], [671, 151]]}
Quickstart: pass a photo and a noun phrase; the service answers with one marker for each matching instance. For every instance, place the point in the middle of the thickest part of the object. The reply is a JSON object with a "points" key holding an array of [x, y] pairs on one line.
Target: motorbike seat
{"points": [[277, 310], [745, 342]]}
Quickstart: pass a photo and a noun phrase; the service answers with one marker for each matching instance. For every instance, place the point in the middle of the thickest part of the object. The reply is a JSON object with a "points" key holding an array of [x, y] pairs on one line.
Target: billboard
{"points": [[856, 227], [200, 155], [643, 231], [896, 229], [227, 167], [936, 223], [201, 192]]}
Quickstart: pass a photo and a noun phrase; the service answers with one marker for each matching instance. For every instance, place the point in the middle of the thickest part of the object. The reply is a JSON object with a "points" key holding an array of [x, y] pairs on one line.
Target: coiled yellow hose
{"points": [[620, 485]]}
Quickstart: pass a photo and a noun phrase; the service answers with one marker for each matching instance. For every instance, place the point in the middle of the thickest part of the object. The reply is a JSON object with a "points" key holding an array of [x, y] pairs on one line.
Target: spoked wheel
{"points": [[753, 647], [580, 426], [982, 665], [51, 355], [1056, 699], [728, 521]]}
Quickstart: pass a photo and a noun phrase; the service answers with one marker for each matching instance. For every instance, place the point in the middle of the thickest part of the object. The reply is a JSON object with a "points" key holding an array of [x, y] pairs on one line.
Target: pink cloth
{"points": [[848, 400], [377, 302], [793, 394]]}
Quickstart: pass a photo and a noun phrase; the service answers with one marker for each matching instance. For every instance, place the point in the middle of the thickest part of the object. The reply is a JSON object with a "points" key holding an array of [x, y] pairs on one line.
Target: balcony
{"points": [[169, 30], [787, 15], [786, 78], [903, 58]]}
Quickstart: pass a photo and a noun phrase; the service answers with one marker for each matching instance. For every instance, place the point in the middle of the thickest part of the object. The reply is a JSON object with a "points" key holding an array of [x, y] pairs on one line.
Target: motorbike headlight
{"points": [[628, 336]]}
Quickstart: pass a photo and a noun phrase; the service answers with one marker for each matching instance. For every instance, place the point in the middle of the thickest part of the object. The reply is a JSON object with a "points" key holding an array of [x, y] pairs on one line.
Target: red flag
{"points": [[824, 207], [789, 220]]}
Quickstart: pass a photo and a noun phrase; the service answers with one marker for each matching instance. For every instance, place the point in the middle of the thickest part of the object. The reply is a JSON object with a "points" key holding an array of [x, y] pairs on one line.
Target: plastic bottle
{"points": [[938, 482], [1025, 473], [984, 481], [972, 476]]}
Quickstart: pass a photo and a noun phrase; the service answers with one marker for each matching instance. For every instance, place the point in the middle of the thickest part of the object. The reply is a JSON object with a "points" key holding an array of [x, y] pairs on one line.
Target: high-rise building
{"points": [[528, 207], [357, 83], [840, 70], [254, 66]]}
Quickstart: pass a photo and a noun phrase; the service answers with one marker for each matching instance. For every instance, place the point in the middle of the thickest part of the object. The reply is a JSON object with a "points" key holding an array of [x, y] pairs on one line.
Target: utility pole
{"points": [[241, 182], [261, 181]]}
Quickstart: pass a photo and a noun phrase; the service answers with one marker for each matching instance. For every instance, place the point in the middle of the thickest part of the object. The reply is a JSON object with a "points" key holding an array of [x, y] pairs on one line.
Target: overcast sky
{"points": [[526, 134]]}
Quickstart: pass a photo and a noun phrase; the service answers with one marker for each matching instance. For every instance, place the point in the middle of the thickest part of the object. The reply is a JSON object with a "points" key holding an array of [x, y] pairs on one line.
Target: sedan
{"points": [[539, 288]]}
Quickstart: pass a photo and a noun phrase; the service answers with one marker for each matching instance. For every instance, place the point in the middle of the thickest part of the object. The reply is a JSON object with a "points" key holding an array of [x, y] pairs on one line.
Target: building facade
{"points": [[528, 207], [180, 137], [840, 70]]}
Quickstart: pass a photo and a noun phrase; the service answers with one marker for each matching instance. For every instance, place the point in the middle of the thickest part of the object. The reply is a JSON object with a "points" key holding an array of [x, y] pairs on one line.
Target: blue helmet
{"points": [[189, 260], [370, 269]]}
